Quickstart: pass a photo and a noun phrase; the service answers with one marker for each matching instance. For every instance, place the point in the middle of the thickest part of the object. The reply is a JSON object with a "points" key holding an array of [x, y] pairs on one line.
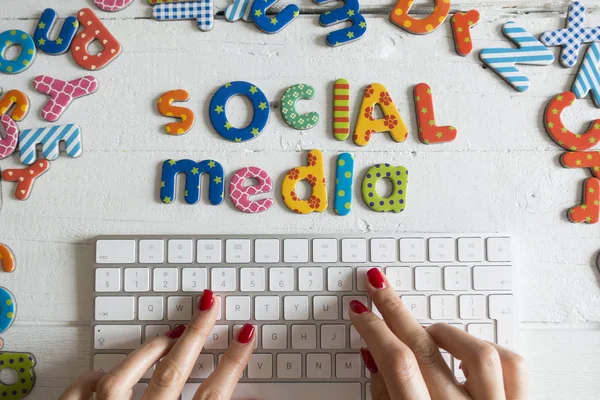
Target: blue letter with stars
{"points": [[349, 13], [65, 36], [193, 171], [218, 116], [277, 22]]}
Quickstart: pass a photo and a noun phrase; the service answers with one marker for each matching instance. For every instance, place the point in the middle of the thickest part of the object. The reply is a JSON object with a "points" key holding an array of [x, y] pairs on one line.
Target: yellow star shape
{"points": [[363, 25], [195, 171], [578, 162], [42, 41], [228, 126], [589, 157], [258, 13], [238, 140], [42, 25], [211, 164], [296, 14], [596, 126], [253, 89], [350, 13], [274, 21], [592, 190], [262, 105], [218, 179], [350, 35], [255, 131], [76, 24], [228, 85], [162, 184], [172, 162], [219, 109], [185, 193], [59, 41], [167, 200]]}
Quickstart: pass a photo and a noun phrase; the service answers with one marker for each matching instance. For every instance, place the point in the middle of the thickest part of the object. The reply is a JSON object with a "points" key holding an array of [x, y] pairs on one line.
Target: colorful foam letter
{"points": [[343, 184], [350, 12], [589, 211], [341, 109], [400, 17], [503, 60], [62, 93], [288, 107], [193, 172], [582, 159], [240, 194], [218, 115], [313, 173], [7, 259], [50, 139], [560, 134], [93, 29], [275, 23], [17, 99], [462, 22], [41, 35], [397, 200], [9, 143], [26, 177], [202, 11], [572, 36], [366, 126], [239, 9], [23, 61], [429, 132], [8, 312], [166, 108], [112, 5], [588, 77], [23, 364]]}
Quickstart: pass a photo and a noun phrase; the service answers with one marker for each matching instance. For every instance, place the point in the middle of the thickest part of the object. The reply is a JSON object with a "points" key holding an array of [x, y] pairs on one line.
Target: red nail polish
{"points": [[368, 360], [206, 301], [376, 278], [358, 307], [176, 332], [246, 334]]}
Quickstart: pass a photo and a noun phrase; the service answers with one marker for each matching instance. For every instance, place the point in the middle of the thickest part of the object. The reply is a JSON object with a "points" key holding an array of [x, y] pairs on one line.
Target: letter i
{"points": [[341, 109]]}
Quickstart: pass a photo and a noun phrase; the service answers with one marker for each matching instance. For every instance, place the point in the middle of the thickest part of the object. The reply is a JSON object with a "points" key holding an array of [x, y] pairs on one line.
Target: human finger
{"points": [[377, 386], [82, 387], [514, 371]]}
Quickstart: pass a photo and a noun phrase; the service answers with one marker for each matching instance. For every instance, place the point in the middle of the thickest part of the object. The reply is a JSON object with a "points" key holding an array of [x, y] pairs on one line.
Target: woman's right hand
{"points": [[405, 359]]}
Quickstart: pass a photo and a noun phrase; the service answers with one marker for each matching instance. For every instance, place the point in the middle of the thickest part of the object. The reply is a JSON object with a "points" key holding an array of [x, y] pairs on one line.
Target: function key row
{"points": [[302, 250]]}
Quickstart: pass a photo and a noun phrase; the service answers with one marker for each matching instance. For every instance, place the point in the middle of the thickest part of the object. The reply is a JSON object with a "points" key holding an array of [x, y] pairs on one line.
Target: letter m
{"points": [[193, 171]]}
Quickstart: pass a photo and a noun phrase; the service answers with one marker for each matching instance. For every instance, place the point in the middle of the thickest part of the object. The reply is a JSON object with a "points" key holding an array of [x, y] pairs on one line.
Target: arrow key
{"points": [[492, 278]]}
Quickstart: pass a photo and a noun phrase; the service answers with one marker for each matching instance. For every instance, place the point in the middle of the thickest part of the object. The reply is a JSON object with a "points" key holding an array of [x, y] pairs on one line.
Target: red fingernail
{"points": [[176, 332], [246, 333], [376, 278], [358, 307], [206, 301], [368, 360]]}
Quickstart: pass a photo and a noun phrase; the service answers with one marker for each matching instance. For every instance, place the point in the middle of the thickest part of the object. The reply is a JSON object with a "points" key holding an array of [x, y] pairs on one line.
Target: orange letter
{"points": [[19, 100], [166, 108], [429, 132], [93, 29], [400, 17], [589, 211], [314, 173], [560, 134]]}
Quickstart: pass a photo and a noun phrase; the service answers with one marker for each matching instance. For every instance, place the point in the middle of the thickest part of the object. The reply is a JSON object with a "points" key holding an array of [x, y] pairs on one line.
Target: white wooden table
{"points": [[501, 174]]}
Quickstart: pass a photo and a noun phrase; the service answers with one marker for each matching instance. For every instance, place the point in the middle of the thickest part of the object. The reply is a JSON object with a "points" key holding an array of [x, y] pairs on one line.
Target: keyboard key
{"points": [[205, 365], [417, 305], [166, 279], [304, 337], [325, 308], [260, 366], [106, 362], [289, 366], [252, 279], [115, 251], [428, 278], [274, 337], [348, 366], [499, 249], [470, 249], [266, 308], [117, 337], [266, 251], [361, 278], [318, 366], [400, 278], [412, 250], [137, 279], [492, 278], [152, 251], [179, 308], [137, 391], [115, 308], [383, 250], [442, 250], [442, 307], [236, 331], [448, 359], [346, 305], [295, 308], [287, 391], [218, 339], [209, 251], [295, 250], [339, 279], [237, 308], [325, 250], [237, 251], [354, 250], [502, 309], [333, 337], [108, 280], [223, 279], [356, 341], [472, 307], [281, 279], [180, 251], [482, 331], [153, 331], [310, 279], [150, 308], [456, 278], [194, 279]]}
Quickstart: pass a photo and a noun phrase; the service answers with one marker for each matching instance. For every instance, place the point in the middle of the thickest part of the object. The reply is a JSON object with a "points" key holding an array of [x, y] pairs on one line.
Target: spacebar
{"points": [[287, 391]]}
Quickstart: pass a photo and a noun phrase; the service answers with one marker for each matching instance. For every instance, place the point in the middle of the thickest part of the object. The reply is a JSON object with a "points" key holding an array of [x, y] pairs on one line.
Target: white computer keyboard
{"points": [[297, 291]]}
